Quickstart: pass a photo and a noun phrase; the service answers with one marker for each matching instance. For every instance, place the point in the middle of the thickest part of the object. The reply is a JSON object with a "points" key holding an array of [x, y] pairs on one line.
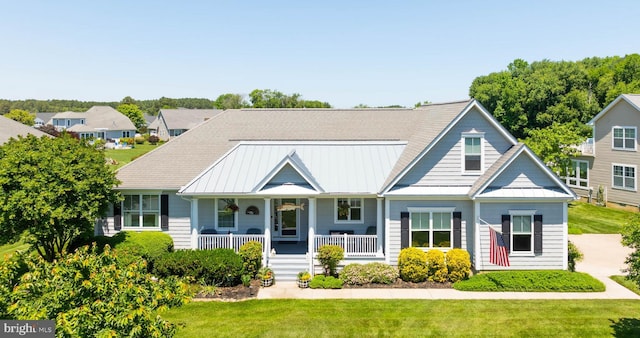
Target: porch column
{"points": [[379, 224], [194, 223], [267, 231], [477, 251], [312, 233], [387, 226]]}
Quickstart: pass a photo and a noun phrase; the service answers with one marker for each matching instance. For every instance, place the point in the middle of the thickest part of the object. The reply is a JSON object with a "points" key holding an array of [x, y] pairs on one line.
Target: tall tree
{"points": [[134, 114], [267, 98], [21, 116], [631, 238], [555, 145], [230, 101], [53, 189]]}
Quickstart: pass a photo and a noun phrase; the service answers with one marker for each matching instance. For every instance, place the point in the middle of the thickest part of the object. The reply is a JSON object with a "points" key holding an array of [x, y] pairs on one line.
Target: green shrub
{"points": [[531, 281], [329, 256], [437, 267], [326, 282], [221, 267], [412, 265], [574, 256], [89, 294], [139, 140], [251, 254], [131, 246], [458, 264], [153, 139], [376, 272]]}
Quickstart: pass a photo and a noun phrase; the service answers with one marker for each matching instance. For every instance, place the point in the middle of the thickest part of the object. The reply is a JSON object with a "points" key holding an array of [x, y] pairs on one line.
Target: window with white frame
{"points": [[522, 232], [472, 152], [431, 229], [348, 210], [126, 133], [624, 138], [141, 211], [578, 174], [226, 213], [624, 177]]}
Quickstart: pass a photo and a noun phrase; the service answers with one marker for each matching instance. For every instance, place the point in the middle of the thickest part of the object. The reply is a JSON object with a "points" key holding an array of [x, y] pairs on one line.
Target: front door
{"points": [[286, 221]]}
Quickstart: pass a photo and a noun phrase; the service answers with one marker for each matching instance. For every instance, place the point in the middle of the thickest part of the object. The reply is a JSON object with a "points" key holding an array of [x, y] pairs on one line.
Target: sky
{"points": [[376, 53]]}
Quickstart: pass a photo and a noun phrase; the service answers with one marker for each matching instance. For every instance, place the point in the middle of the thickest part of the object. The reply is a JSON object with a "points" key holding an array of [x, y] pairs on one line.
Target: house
{"points": [[12, 129], [608, 165], [174, 122], [99, 122], [42, 119], [370, 180]]}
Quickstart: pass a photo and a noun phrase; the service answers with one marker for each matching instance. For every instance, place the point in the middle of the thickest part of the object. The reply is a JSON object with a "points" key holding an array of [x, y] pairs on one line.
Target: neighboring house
{"points": [[99, 122], [174, 122], [12, 129], [42, 119], [371, 180], [610, 160]]}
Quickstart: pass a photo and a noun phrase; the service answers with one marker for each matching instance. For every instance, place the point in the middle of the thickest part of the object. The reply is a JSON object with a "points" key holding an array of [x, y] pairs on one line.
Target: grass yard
{"points": [[585, 218], [622, 280], [408, 318], [124, 156]]}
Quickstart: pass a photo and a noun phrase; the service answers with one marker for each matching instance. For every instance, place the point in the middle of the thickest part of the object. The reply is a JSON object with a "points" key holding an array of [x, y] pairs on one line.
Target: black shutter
{"points": [[404, 229], [164, 212], [537, 234], [457, 229], [117, 216], [506, 231]]}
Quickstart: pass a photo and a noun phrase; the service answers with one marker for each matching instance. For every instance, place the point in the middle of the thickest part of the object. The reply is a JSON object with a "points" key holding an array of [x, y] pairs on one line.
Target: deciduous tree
{"points": [[555, 145], [134, 114], [21, 116], [53, 189], [631, 238]]}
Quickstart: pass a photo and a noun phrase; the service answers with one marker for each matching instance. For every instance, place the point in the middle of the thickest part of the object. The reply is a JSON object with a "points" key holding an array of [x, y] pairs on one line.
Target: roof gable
{"points": [[184, 119], [632, 99], [12, 129], [291, 170]]}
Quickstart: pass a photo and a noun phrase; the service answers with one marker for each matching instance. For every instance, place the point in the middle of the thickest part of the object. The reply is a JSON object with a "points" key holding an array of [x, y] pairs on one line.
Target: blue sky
{"points": [[343, 52]]}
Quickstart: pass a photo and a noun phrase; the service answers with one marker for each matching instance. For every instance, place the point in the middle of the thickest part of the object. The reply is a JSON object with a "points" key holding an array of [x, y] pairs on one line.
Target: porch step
{"points": [[286, 267]]}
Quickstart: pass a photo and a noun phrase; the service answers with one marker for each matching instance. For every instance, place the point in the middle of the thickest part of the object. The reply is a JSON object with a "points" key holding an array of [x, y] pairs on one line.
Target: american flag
{"points": [[498, 249]]}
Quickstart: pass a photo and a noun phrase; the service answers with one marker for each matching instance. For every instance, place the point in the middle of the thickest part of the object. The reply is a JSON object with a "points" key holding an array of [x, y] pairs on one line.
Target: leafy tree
{"points": [[90, 294], [631, 238], [230, 101], [555, 145], [267, 98], [21, 116], [134, 114], [421, 103], [53, 189], [128, 100], [361, 106]]}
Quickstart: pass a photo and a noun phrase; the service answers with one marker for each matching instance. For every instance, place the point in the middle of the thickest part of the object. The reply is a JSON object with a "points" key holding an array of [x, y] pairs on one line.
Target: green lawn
{"points": [[408, 318], [585, 218], [124, 156], [622, 280], [9, 249]]}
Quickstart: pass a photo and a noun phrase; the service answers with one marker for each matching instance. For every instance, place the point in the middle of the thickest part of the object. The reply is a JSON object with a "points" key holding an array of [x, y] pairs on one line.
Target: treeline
{"points": [[528, 97], [259, 98]]}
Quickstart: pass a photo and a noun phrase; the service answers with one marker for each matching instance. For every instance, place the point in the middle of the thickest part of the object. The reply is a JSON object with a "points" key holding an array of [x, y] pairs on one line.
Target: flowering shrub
{"points": [[251, 254], [329, 256], [379, 273], [412, 265], [437, 268], [458, 264]]}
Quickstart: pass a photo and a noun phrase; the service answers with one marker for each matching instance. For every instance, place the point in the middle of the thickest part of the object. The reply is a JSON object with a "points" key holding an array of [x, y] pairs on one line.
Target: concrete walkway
{"points": [[604, 256]]}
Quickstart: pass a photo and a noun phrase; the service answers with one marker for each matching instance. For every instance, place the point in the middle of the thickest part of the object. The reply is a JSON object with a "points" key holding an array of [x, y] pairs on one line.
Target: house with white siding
{"points": [[608, 165], [370, 180]]}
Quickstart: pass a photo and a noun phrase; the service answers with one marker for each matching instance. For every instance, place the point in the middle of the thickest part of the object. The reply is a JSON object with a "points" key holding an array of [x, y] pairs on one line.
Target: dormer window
{"points": [[472, 152]]}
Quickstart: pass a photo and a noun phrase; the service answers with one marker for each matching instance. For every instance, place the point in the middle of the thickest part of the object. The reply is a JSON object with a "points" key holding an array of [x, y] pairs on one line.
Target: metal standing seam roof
{"points": [[176, 163], [337, 167], [11, 129]]}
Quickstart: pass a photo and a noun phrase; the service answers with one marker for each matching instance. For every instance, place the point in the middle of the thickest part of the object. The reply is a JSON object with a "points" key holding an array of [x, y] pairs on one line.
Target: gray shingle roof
{"points": [[10, 128], [177, 162], [186, 118]]}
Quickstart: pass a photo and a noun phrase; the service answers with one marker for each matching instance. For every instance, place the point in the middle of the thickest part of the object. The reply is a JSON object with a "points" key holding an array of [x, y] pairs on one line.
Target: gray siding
{"points": [[287, 175], [622, 114], [552, 256], [396, 207], [523, 173], [325, 217], [443, 163]]}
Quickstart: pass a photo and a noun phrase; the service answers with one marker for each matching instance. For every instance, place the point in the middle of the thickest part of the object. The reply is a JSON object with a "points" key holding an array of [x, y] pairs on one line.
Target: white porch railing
{"points": [[353, 245], [586, 148], [230, 241]]}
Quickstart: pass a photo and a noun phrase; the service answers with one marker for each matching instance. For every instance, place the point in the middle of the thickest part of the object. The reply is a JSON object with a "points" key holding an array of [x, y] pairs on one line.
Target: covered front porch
{"points": [[288, 225]]}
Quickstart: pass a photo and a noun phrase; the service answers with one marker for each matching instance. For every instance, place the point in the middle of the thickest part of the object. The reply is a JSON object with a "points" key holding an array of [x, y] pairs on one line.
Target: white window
{"points": [[624, 177], [472, 152], [431, 228], [349, 210], [141, 211], [226, 214], [624, 138], [522, 233], [578, 174]]}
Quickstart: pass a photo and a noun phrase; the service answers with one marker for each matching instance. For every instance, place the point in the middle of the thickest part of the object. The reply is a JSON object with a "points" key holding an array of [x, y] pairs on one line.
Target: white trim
{"points": [[288, 159], [140, 211], [576, 168], [522, 212], [635, 176], [463, 152], [348, 221], [624, 129], [235, 215], [431, 209], [565, 235], [529, 213], [611, 105], [387, 228], [476, 232], [431, 230]]}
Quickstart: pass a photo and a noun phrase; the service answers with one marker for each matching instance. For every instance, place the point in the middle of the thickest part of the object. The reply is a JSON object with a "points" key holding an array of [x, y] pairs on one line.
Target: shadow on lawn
{"points": [[626, 327]]}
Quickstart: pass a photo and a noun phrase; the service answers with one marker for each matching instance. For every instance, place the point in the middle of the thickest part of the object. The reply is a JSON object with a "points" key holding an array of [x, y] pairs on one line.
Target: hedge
{"points": [[220, 267], [531, 281]]}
